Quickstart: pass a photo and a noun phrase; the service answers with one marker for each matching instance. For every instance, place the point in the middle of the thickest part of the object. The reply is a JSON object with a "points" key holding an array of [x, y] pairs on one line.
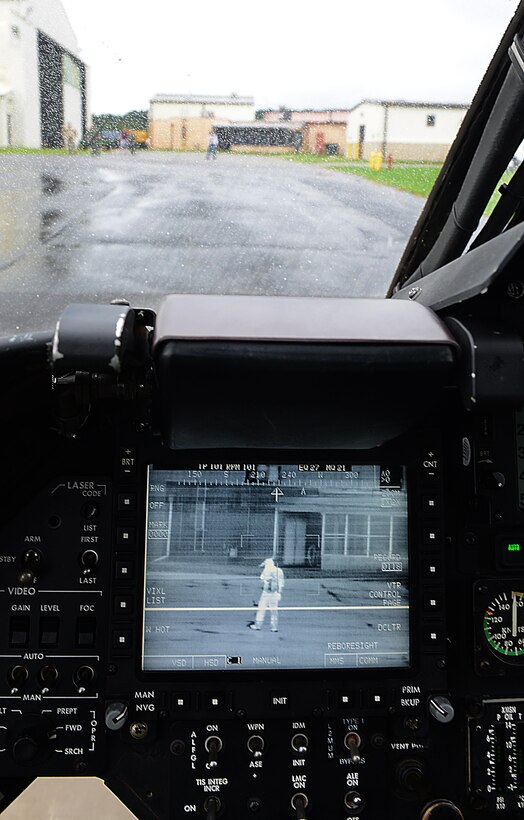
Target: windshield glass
{"points": [[227, 150]]}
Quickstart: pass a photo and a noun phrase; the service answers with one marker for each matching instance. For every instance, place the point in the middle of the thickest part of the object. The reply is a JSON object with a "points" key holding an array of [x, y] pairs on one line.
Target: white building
{"points": [[184, 121], [406, 130], [43, 83], [230, 108]]}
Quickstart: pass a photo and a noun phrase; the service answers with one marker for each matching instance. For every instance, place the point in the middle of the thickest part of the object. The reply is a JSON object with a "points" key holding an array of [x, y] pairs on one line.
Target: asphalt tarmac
{"points": [[82, 228]]}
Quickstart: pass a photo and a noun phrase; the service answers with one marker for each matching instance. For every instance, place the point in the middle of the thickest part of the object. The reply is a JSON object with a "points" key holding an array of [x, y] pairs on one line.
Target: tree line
{"points": [[136, 120]]}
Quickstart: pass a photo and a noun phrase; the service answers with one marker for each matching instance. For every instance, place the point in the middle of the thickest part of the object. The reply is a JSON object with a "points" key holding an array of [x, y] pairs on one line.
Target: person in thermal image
{"points": [[272, 579]]}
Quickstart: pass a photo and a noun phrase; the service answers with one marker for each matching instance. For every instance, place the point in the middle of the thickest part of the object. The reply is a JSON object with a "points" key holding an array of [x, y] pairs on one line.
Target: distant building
{"points": [[184, 121], [43, 82], [321, 130], [406, 130], [334, 115]]}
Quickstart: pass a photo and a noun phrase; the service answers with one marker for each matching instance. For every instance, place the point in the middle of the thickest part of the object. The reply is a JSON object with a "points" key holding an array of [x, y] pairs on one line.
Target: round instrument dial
{"points": [[503, 625]]}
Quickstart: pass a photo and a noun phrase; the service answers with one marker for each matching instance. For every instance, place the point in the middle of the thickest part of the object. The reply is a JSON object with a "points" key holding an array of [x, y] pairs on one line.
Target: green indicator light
{"points": [[513, 548]]}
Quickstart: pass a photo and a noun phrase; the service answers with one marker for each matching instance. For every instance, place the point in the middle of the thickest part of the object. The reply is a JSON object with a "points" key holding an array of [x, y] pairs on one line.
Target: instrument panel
{"points": [[262, 631]]}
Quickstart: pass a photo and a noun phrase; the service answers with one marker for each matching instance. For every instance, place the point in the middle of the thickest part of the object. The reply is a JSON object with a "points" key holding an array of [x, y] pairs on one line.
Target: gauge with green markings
{"points": [[503, 625]]}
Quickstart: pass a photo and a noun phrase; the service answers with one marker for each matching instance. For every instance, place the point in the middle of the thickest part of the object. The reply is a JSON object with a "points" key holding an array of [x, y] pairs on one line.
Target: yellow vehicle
{"points": [[141, 137]]}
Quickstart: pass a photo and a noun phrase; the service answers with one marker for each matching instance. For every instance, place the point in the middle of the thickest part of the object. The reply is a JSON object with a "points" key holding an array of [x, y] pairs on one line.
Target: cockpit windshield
{"points": [[272, 149]]}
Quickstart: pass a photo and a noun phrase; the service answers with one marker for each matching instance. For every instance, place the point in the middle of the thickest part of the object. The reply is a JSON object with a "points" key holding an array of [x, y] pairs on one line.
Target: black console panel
{"points": [[262, 632]]}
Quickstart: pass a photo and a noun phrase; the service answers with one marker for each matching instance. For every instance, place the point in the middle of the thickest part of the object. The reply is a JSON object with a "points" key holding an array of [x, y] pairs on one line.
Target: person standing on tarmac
{"points": [[212, 146], [69, 137], [272, 579]]}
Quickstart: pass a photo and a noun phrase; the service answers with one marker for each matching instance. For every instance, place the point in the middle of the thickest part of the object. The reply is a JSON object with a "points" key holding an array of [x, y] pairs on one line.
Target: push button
{"points": [[124, 569], [125, 535], [214, 701], [431, 505], [431, 536], [376, 698], [432, 600], [509, 551], [433, 636], [343, 699], [122, 639], [126, 502], [431, 568], [123, 606], [182, 701]]}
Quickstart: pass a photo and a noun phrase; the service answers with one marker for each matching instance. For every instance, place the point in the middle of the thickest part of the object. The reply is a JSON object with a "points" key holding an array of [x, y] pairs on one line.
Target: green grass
{"points": [[417, 179], [323, 159], [16, 150]]}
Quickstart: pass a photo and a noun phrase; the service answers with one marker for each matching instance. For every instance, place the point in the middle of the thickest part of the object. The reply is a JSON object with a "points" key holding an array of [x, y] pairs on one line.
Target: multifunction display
{"points": [[276, 566]]}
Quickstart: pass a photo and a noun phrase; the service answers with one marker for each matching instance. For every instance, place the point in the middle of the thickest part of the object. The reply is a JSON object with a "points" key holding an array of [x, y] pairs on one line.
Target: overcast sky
{"points": [[284, 54]]}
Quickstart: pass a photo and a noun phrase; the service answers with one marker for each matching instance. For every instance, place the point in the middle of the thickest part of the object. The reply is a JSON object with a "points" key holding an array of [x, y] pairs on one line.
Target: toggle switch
{"points": [[83, 676], [300, 743], [300, 803], [256, 745], [212, 806], [48, 676], [48, 632], [19, 632], [352, 743], [17, 678], [31, 567], [213, 747], [353, 802], [88, 560]]}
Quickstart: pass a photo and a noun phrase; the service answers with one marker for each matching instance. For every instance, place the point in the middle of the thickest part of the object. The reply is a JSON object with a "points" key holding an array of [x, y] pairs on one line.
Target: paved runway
{"points": [[82, 228]]}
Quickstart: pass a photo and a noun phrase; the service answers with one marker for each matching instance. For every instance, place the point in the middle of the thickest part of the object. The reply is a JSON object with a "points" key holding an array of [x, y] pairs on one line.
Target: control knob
{"points": [[33, 740], [441, 810], [116, 716], [88, 560], [441, 709]]}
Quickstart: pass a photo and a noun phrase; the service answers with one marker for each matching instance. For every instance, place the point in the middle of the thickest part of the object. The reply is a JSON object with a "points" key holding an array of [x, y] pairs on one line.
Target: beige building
{"points": [[405, 130], [183, 122], [317, 136], [320, 129]]}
